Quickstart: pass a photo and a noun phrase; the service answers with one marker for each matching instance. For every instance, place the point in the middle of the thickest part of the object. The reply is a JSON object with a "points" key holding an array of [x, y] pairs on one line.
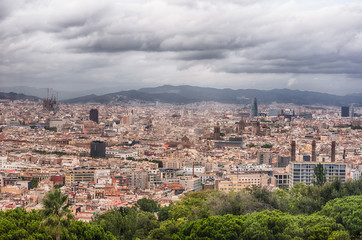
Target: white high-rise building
{"points": [[302, 172]]}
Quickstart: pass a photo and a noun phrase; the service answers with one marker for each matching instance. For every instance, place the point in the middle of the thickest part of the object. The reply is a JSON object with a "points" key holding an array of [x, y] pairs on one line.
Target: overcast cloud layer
{"points": [[129, 44]]}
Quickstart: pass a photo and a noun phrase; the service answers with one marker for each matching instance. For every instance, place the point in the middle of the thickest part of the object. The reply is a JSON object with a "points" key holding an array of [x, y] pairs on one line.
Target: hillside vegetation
{"points": [[331, 211]]}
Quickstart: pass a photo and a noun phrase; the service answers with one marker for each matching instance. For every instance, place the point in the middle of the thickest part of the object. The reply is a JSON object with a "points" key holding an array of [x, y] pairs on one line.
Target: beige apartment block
{"points": [[233, 185], [79, 175]]}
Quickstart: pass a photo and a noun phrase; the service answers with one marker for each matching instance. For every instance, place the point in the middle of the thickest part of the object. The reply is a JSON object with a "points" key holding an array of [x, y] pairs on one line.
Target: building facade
{"points": [[302, 172], [93, 115], [98, 149], [232, 185], [344, 111], [78, 175]]}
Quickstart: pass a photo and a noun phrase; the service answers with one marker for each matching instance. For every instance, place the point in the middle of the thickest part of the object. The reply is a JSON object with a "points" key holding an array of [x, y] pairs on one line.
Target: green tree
{"points": [[146, 222], [265, 196], [268, 225], [221, 203], [56, 207], [304, 199], [127, 223], [346, 211], [242, 202], [193, 206], [319, 175], [167, 229], [112, 221], [339, 235], [20, 224], [163, 212], [147, 205], [214, 227]]}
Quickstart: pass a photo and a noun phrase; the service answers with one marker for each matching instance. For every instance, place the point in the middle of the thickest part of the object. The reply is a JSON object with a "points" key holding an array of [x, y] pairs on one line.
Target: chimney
{"points": [[193, 169], [292, 152], [333, 151], [314, 158]]}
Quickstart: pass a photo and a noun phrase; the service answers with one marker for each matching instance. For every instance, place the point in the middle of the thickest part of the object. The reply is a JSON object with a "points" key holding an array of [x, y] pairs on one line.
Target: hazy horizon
{"points": [[73, 46], [68, 95]]}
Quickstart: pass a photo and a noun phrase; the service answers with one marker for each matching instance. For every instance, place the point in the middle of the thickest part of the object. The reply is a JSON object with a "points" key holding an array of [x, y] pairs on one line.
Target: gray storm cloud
{"points": [[130, 44]]}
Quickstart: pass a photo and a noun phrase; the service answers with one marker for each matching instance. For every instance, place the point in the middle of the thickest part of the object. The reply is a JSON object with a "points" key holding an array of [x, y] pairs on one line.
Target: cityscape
{"points": [[111, 156], [180, 120]]}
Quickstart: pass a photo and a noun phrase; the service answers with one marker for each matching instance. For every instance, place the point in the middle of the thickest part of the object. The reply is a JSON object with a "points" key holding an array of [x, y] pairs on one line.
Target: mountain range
{"points": [[62, 95], [190, 94], [18, 96], [186, 94]]}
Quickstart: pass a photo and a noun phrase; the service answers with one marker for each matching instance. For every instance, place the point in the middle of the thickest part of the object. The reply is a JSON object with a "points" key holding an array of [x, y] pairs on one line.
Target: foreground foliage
{"points": [[263, 225], [19, 224], [346, 211], [330, 211], [56, 208], [127, 223]]}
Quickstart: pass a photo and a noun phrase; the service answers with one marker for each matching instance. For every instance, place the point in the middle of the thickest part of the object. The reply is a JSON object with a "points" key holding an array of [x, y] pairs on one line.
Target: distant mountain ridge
{"points": [[18, 96], [62, 95], [186, 94]]}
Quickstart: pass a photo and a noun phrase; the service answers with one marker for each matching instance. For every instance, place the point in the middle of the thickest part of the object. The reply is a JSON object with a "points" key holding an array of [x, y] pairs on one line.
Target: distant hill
{"points": [[17, 96], [189, 94], [62, 95]]}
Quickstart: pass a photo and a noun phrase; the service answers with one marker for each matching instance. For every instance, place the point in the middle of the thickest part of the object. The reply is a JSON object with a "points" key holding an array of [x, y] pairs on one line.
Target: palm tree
{"points": [[56, 207]]}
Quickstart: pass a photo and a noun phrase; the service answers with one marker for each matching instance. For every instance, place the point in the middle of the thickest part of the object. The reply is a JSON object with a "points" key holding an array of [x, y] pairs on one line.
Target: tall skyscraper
{"points": [[254, 108], [93, 115], [344, 111], [98, 149]]}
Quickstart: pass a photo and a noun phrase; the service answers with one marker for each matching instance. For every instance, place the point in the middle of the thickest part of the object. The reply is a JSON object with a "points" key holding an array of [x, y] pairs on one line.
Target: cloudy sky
{"points": [[129, 44]]}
